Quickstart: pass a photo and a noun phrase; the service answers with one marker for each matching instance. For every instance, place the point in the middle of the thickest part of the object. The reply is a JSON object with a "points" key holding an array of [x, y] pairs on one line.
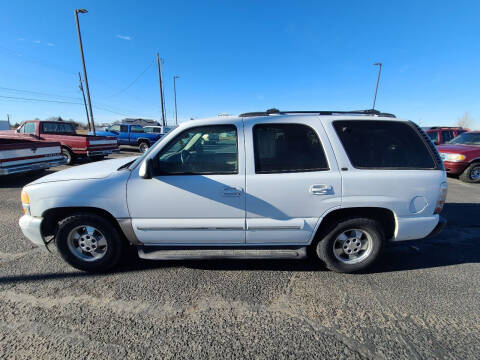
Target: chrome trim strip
{"points": [[158, 228], [283, 227]]}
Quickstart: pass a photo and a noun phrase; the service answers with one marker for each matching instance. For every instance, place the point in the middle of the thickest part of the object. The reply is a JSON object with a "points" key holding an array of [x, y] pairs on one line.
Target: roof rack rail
{"points": [[318, 112]]}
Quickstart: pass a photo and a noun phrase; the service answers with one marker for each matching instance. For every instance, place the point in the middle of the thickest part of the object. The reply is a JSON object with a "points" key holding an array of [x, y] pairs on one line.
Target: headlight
{"points": [[25, 202], [452, 157]]}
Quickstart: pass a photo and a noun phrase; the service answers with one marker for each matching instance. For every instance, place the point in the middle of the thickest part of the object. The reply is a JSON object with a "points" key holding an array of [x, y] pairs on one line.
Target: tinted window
{"points": [[447, 135], [136, 129], [201, 150], [29, 128], [383, 144], [281, 148], [433, 135], [57, 128], [123, 128]]}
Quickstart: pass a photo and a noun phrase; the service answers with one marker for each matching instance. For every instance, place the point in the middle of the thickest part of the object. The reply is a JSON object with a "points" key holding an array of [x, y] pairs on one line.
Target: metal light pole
{"points": [[80, 86], [378, 80], [175, 96], [84, 11], [160, 81]]}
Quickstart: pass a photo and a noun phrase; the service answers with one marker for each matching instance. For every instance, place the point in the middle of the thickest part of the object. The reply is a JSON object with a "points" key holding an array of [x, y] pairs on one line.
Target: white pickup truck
{"points": [[22, 155], [335, 185]]}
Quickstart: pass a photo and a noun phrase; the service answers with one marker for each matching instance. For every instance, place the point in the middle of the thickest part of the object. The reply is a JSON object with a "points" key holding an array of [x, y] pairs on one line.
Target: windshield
{"points": [[467, 139]]}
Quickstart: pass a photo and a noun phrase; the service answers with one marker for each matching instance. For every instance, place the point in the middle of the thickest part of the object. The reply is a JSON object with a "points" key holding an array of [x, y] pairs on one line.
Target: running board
{"points": [[177, 253]]}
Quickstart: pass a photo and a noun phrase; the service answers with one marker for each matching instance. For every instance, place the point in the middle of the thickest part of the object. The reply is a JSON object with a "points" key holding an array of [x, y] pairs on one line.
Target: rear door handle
{"points": [[232, 191], [321, 189]]}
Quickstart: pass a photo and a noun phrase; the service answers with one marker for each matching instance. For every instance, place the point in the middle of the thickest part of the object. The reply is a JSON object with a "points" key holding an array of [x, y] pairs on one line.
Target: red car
{"points": [[73, 145], [443, 134], [461, 156]]}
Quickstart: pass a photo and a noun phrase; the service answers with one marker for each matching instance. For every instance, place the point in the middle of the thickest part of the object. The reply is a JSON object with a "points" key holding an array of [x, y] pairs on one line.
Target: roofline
{"points": [[318, 112]]}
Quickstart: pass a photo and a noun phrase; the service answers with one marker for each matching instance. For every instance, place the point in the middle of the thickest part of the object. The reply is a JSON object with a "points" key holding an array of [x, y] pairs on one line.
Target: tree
{"points": [[465, 121]]}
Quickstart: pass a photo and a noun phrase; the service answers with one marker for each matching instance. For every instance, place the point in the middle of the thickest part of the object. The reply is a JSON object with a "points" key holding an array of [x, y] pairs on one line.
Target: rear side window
{"points": [[383, 145], [57, 128], [283, 148]]}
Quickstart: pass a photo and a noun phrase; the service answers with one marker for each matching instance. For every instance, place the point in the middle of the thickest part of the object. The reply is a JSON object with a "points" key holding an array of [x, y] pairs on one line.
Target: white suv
{"points": [[260, 185]]}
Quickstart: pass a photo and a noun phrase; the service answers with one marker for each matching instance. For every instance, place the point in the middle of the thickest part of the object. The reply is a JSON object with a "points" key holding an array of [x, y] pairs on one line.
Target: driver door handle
{"points": [[321, 189], [232, 191]]}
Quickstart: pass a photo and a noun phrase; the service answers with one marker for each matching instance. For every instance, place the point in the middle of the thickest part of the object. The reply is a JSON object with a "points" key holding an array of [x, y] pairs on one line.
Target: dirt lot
{"points": [[420, 301]]}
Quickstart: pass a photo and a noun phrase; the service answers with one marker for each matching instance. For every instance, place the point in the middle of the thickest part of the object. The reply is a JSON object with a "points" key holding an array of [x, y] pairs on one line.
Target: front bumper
{"points": [[31, 228], [455, 168], [32, 167]]}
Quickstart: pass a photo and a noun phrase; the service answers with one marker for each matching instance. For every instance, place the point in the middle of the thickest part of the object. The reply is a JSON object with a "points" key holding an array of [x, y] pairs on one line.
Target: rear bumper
{"points": [[442, 222], [455, 168], [102, 152], [31, 228], [16, 169]]}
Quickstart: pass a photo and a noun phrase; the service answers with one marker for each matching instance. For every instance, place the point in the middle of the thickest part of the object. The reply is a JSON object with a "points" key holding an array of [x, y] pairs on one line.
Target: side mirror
{"points": [[145, 171]]}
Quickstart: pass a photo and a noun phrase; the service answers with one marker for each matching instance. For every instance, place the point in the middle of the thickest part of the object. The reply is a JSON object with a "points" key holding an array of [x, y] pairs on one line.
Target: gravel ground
{"points": [[420, 301]]}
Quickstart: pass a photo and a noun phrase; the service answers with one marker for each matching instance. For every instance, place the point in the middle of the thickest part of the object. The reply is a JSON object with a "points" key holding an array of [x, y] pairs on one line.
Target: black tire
{"points": [[143, 146], [324, 248], [115, 244], [68, 155], [470, 174]]}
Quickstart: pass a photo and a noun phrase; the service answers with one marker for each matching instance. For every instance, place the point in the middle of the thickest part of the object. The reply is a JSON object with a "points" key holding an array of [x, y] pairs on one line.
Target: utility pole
{"points": [[84, 101], [378, 80], [8, 120], [84, 11], [160, 81], [175, 96]]}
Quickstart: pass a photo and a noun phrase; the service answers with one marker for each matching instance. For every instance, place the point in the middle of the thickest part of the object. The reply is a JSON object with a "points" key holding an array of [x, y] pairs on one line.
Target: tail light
{"points": [[442, 196]]}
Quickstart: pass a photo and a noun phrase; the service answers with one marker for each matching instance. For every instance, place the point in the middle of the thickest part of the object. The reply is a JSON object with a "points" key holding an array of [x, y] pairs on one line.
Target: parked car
{"points": [[23, 155], [131, 135], [73, 145], [443, 134], [4, 125], [163, 130], [274, 184], [461, 156]]}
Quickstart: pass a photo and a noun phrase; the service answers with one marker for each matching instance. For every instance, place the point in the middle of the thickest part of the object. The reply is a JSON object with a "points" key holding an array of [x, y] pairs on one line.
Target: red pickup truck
{"points": [[73, 145], [461, 156], [24, 155], [443, 134]]}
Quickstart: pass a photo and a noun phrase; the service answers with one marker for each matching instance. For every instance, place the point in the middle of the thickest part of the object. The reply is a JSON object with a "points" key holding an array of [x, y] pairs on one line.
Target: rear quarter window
{"points": [[383, 145]]}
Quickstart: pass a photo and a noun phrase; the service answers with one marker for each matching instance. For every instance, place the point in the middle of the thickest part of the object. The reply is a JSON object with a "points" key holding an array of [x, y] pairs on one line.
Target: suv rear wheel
{"points": [[89, 242], [352, 245], [471, 174]]}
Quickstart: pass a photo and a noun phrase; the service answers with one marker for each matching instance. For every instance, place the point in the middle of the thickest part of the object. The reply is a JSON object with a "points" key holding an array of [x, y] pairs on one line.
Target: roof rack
{"points": [[318, 112]]}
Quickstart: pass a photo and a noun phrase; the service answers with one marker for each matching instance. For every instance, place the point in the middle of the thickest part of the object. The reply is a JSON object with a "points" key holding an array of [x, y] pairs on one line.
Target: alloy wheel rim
{"points": [[87, 243], [475, 173], [352, 246]]}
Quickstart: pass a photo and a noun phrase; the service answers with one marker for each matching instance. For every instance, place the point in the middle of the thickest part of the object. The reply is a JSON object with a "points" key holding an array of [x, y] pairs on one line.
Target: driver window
{"points": [[114, 128], [201, 150]]}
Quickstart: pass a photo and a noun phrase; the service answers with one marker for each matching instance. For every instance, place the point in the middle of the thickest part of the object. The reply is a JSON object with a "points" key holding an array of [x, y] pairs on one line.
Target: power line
{"points": [[133, 82], [38, 93], [44, 100]]}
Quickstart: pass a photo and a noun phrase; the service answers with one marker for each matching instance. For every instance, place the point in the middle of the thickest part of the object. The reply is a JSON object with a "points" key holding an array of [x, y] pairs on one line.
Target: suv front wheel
{"points": [[352, 245], [471, 174], [89, 242]]}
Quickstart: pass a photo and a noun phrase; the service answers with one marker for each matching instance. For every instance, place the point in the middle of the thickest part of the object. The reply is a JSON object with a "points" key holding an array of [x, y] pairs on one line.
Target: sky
{"points": [[240, 56]]}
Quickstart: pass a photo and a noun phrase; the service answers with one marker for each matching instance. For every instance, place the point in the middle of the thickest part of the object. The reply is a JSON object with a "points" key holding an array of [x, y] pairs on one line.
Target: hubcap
{"points": [[87, 243], [475, 173], [353, 246]]}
